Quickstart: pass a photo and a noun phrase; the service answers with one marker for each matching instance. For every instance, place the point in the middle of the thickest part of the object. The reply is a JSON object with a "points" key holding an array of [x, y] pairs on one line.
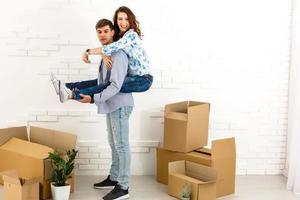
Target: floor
{"points": [[146, 188]]}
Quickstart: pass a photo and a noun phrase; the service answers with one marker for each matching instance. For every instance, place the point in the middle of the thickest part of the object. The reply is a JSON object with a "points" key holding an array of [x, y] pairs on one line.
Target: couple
{"points": [[123, 69]]}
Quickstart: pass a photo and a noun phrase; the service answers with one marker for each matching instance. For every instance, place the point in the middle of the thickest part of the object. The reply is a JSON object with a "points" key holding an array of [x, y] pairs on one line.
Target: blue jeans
{"points": [[132, 83], [118, 138]]}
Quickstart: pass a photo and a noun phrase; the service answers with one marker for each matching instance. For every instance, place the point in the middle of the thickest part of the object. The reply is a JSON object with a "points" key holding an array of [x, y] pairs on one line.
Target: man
{"points": [[117, 107]]}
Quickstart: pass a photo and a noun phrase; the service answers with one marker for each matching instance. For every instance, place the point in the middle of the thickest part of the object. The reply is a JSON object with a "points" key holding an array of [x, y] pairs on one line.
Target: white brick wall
{"points": [[236, 57], [96, 159]]}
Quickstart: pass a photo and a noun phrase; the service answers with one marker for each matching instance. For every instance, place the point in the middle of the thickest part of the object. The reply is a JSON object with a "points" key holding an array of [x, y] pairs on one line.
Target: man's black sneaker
{"points": [[106, 184], [117, 194]]}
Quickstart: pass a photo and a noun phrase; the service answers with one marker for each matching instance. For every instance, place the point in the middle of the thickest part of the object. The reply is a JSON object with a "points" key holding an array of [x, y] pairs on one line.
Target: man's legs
{"points": [[114, 168], [110, 181], [119, 142]]}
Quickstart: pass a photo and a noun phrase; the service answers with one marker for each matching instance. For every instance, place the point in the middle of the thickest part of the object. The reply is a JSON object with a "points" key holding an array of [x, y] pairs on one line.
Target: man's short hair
{"points": [[104, 22]]}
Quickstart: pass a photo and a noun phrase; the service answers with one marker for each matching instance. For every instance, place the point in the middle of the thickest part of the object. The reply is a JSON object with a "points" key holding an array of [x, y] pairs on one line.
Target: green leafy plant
{"points": [[62, 166], [186, 191]]}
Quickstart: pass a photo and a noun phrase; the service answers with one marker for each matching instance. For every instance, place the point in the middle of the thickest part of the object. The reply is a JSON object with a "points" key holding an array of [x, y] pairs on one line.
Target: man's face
{"points": [[105, 35]]}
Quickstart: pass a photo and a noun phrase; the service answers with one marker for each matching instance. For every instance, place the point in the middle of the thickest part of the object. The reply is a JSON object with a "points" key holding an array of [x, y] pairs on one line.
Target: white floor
{"points": [[146, 188]]}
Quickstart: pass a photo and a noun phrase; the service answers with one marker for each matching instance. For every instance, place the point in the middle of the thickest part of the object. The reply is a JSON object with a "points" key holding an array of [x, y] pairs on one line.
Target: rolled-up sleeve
{"points": [[117, 76]]}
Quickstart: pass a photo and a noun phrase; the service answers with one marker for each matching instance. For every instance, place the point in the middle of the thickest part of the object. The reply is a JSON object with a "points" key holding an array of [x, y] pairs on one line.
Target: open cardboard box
{"points": [[28, 155], [186, 126], [200, 179], [221, 157], [16, 188]]}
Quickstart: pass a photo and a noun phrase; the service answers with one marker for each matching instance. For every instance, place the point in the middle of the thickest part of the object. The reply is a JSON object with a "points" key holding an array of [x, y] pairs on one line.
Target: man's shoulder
{"points": [[119, 53]]}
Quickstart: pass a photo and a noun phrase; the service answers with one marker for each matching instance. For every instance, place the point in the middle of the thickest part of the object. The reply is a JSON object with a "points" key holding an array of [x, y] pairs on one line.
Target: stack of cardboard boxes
{"points": [[24, 165], [209, 172]]}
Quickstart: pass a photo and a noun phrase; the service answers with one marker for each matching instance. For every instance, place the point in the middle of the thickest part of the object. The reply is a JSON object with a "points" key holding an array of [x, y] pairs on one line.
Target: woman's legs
{"points": [[89, 91], [132, 83], [82, 84], [136, 83]]}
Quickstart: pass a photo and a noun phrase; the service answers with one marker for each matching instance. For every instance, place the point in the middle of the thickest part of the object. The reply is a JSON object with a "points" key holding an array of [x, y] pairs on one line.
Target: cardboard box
{"points": [[16, 188], [29, 157], [221, 157], [201, 180], [186, 126]]}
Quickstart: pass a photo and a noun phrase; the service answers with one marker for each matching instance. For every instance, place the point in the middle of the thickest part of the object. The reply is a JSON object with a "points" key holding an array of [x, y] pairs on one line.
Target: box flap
{"points": [[223, 148], [27, 148], [180, 107], [8, 133], [32, 180], [206, 158], [11, 180], [197, 124], [60, 141], [198, 109], [224, 161], [200, 172], [204, 151], [47, 169], [196, 103], [11, 173], [177, 167], [177, 116], [185, 177]]}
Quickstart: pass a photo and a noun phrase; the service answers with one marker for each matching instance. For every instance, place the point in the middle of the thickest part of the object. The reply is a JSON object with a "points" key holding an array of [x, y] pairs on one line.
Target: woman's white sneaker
{"points": [[54, 82], [64, 92]]}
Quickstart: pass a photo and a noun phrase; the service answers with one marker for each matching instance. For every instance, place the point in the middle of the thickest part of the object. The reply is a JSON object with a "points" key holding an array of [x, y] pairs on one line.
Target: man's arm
{"points": [[117, 76]]}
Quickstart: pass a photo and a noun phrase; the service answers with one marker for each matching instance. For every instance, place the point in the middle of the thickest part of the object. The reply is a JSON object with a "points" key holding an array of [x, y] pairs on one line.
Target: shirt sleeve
{"points": [[130, 38], [117, 76]]}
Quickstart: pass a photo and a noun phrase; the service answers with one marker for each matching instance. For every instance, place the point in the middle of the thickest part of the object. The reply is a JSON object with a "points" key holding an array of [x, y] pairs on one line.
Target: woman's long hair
{"points": [[133, 23]]}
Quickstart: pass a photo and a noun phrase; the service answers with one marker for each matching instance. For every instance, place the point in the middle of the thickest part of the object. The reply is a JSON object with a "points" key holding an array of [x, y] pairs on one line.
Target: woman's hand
{"points": [[107, 61]]}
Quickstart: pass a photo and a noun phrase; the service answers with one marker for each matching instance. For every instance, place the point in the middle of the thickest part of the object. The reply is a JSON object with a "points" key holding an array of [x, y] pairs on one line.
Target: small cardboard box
{"points": [[201, 180], [221, 157], [28, 155], [186, 126], [16, 188]]}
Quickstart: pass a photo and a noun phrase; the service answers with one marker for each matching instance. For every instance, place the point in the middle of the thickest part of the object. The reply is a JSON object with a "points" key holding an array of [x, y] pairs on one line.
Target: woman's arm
{"points": [[96, 51], [129, 38]]}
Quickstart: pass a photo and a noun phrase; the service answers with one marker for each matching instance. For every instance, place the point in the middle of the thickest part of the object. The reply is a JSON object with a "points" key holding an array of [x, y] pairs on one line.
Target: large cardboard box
{"points": [[28, 155], [221, 157], [186, 126], [16, 188], [200, 179]]}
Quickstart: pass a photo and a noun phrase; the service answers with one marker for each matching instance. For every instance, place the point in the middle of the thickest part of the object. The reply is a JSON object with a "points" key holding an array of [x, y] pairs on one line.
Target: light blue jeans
{"points": [[118, 138]]}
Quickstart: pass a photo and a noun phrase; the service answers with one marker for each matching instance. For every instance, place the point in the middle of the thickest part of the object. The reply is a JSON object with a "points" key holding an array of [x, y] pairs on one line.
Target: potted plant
{"points": [[186, 194], [62, 167]]}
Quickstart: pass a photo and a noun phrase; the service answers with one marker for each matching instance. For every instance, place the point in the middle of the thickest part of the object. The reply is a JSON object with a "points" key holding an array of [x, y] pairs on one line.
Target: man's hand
{"points": [[85, 57], [85, 98]]}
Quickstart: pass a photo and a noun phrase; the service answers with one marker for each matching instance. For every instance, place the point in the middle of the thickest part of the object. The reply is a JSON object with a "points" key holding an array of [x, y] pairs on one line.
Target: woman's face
{"points": [[123, 22]]}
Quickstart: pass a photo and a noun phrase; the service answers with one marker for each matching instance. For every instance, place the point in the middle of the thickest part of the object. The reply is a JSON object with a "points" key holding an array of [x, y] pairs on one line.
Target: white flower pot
{"points": [[185, 198], [60, 192]]}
